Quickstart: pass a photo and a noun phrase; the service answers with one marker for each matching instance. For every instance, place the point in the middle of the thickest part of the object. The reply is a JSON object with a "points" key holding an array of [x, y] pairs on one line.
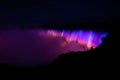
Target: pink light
{"points": [[87, 38]]}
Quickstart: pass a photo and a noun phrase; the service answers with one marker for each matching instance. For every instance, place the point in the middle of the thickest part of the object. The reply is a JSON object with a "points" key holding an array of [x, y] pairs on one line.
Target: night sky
{"points": [[21, 12]]}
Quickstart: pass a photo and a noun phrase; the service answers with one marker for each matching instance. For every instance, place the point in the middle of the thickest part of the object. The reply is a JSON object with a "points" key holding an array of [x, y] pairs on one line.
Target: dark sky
{"points": [[60, 11]]}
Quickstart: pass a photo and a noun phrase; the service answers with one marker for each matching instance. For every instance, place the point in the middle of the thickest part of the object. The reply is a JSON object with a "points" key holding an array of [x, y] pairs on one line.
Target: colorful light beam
{"points": [[91, 39]]}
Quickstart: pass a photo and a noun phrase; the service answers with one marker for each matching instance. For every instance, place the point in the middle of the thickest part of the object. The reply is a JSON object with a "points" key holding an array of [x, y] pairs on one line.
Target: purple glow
{"points": [[32, 47], [88, 38]]}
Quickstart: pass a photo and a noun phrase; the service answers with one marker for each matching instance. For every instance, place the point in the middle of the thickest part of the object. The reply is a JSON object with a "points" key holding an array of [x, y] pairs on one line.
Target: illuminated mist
{"points": [[87, 38], [34, 47]]}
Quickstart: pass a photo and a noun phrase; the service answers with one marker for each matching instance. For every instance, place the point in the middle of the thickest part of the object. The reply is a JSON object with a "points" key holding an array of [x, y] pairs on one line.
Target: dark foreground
{"points": [[100, 60]]}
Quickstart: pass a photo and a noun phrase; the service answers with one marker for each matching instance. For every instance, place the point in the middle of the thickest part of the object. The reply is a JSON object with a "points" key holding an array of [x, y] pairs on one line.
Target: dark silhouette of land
{"points": [[95, 59]]}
